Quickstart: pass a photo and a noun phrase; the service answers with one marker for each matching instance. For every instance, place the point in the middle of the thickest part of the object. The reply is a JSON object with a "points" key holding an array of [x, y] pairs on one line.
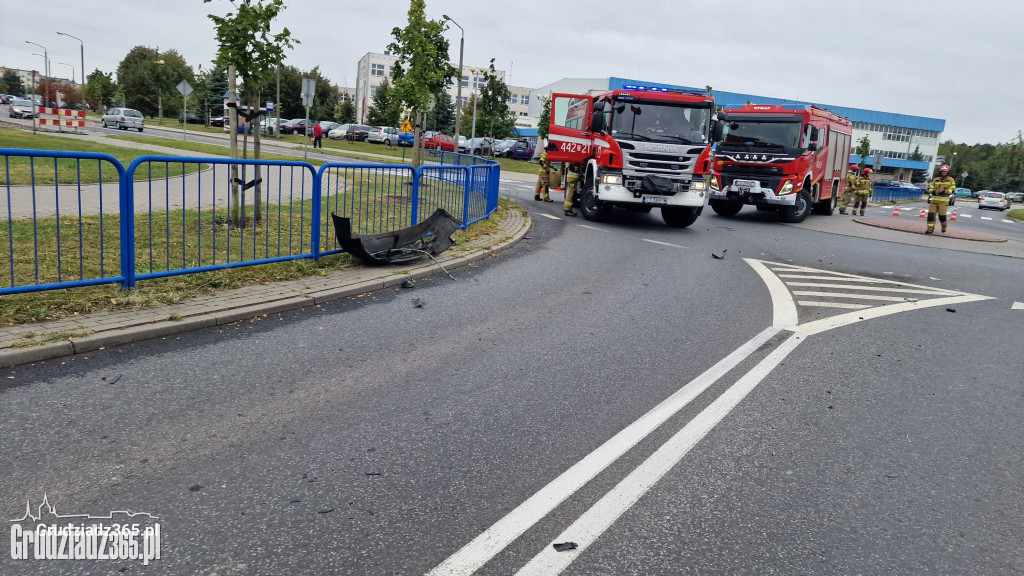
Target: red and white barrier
{"points": [[79, 114]]}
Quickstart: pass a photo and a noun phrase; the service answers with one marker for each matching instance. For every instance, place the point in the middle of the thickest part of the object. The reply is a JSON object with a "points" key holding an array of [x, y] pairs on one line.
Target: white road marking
{"points": [[844, 295], [591, 228], [872, 288], [985, 218], [1017, 306], [609, 508], [663, 243], [551, 217], [803, 277], [1007, 221], [493, 540], [964, 216], [832, 304]]}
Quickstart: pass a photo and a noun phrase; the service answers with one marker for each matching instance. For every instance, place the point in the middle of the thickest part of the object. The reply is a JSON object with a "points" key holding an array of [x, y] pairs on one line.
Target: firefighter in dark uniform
{"points": [[542, 179], [848, 192], [940, 190], [572, 178], [864, 191]]}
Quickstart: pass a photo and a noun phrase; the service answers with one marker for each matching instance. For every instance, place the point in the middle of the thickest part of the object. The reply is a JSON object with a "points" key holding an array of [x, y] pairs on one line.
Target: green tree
{"points": [[386, 109], [441, 117], [863, 150], [544, 123], [494, 114], [147, 78], [345, 112], [101, 89], [247, 43], [13, 82], [209, 92], [422, 68], [325, 96], [918, 175]]}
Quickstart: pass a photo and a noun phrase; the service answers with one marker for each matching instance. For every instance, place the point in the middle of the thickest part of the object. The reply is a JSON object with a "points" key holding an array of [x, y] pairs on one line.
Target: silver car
{"points": [[21, 108], [123, 119], [477, 147], [383, 135], [996, 200]]}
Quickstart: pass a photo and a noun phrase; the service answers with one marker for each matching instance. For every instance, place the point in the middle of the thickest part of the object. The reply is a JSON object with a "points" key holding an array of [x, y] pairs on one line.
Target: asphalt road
{"points": [[612, 385]]}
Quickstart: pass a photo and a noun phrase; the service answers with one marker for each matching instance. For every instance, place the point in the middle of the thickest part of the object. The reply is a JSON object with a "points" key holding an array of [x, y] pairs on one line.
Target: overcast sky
{"points": [[962, 61]]}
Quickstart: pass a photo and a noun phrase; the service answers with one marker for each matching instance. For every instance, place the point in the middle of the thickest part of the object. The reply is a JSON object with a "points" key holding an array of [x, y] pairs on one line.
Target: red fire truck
{"points": [[639, 148], [788, 157]]}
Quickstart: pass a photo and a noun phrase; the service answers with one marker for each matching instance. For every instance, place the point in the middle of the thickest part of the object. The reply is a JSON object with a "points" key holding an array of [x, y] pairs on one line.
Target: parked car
{"points": [[962, 193], [1015, 196], [522, 150], [979, 193], [21, 108], [501, 147], [294, 126], [6, 98], [358, 133], [218, 121], [383, 135], [923, 186], [268, 126], [406, 139], [123, 118], [438, 141], [189, 117], [996, 200], [338, 132], [477, 147]]}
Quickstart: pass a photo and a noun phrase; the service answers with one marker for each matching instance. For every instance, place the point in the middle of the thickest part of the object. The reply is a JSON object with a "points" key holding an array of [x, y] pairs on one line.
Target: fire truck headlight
{"points": [[698, 185], [714, 183], [614, 179], [786, 189]]}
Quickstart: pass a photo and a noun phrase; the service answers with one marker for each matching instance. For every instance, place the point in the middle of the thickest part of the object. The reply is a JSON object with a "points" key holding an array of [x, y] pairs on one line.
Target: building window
{"points": [[377, 70], [512, 99], [524, 99], [465, 81], [478, 82], [463, 100]]}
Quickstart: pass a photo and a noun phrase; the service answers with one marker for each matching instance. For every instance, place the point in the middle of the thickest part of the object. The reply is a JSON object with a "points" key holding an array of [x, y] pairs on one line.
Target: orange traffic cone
{"points": [[952, 215], [896, 210], [924, 213]]}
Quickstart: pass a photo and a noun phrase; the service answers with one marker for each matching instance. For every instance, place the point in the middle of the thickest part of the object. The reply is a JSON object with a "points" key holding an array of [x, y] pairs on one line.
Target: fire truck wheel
{"points": [[592, 208], [680, 216], [724, 208], [798, 211], [827, 206]]}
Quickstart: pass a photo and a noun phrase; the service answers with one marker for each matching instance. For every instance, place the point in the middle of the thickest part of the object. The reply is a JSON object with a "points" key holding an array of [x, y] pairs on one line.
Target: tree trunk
{"points": [[233, 134]]}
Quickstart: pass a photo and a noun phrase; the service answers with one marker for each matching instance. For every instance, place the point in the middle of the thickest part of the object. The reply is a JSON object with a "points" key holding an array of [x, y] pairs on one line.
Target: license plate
{"points": [[744, 190], [654, 200]]}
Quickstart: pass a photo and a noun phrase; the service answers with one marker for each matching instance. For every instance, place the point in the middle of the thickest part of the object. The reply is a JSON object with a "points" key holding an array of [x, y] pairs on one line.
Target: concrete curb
{"points": [[103, 335]]}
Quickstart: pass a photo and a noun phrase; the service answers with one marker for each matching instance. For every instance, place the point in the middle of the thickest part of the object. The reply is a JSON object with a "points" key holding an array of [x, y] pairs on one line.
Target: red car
{"points": [[436, 141]]}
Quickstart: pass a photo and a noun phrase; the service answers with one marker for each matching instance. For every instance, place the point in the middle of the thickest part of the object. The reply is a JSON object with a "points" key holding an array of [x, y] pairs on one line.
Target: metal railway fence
{"points": [[81, 219]]}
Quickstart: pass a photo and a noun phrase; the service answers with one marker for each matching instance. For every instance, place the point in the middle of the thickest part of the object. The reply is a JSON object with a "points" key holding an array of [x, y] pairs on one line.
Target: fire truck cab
{"points": [[638, 148], [788, 157]]}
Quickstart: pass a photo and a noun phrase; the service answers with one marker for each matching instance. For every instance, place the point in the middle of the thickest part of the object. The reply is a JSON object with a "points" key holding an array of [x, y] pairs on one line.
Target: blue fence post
{"points": [[416, 176], [318, 199], [470, 174]]}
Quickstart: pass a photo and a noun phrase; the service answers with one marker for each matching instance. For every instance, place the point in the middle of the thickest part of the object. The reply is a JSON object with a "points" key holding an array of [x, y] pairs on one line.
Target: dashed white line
{"points": [[1017, 306], [985, 218], [1007, 221], [832, 304], [591, 228], [551, 217], [872, 288], [840, 295], [663, 243]]}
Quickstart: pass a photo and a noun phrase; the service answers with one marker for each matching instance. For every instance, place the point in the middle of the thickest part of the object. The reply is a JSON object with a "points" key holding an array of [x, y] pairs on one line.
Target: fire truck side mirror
{"points": [[716, 131], [597, 122], [812, 147]]}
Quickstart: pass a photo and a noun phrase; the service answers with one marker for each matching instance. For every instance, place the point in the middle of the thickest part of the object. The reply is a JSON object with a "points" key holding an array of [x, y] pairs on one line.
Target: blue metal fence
{"points": [[179, 215]]}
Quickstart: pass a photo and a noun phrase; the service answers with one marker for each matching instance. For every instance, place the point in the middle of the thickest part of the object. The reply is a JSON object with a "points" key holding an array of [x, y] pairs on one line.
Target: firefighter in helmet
{"points": [[940, 190], [848, 192], [572, 178], [864, 191], [542, 179]]}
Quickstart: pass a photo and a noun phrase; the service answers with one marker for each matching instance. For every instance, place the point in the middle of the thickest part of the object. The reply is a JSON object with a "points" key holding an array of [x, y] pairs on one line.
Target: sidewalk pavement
{"points": [[97, 330]]}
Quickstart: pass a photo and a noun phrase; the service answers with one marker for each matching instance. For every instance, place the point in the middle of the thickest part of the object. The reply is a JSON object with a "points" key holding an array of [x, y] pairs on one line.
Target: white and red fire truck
{"points": [[791, 158], [639, 148]]}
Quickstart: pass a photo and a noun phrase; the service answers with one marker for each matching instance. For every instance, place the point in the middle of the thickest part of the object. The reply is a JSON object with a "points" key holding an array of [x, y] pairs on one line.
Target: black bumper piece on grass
{"points": [[428, 238]]}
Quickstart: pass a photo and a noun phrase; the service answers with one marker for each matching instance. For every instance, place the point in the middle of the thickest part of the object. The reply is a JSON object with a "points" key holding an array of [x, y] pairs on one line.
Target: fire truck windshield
{"points": [[658, 122], [762, 134]]}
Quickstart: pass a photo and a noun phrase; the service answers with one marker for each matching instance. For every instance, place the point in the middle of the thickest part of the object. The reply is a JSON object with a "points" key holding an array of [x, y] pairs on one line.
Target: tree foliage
{"points": [[245, 40], [146, 83], [544, 123], [863, 150], [386, 110], [441, 117], [423, 68], [998, 167], [345, 112], [494, 114], [101, 89], [13, 83]]}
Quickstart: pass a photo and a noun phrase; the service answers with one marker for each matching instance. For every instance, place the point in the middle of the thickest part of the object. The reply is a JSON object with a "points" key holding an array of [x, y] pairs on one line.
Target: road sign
{"points": [[308, 90], [878, 160], [270, 106], [184, 88], [406, 126]]}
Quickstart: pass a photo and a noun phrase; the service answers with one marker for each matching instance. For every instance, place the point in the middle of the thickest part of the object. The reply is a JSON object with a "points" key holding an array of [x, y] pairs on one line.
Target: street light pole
{"points": [[458, 97], [81, 48], [46, 67]]}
